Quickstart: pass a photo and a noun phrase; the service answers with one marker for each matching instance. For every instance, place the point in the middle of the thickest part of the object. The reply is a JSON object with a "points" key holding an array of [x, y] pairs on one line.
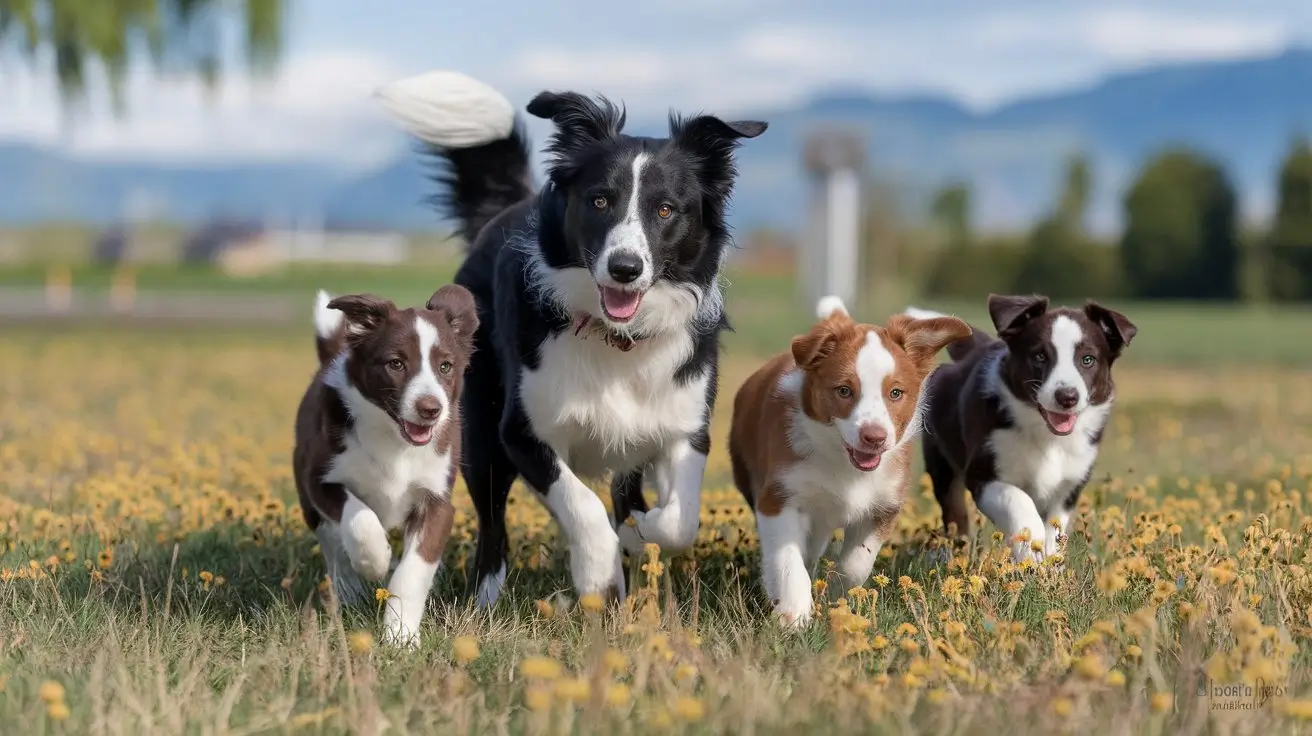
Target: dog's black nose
{"points": [[1066, 397], [429, 408], [624, 267]]}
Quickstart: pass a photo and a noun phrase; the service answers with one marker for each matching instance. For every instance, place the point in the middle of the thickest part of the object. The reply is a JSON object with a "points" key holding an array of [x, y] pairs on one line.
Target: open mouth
{"points": [[417, 434], [618, 304], [1058, 423], [864, 461]]}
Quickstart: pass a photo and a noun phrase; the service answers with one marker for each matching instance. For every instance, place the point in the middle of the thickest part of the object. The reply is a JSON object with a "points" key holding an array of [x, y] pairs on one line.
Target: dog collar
{"points": [[624, 343]]}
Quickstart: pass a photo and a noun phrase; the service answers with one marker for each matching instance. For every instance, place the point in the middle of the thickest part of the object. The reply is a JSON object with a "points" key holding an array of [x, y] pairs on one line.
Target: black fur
{"points": [[510, 229]]}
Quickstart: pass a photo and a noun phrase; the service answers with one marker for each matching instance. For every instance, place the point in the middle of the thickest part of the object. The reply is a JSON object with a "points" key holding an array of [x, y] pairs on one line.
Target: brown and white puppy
{"points": [[821, 440], [1018, 419], [378, 443]]}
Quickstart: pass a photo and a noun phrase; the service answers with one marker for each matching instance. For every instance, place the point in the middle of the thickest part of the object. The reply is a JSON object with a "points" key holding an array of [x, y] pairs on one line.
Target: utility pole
{"points": [[829, 257]]}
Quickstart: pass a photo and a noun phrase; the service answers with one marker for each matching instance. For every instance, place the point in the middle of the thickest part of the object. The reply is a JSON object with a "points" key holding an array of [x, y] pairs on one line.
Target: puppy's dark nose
{"points": [[429, 408], [624, 267], [1066, 397], [873, 436]]}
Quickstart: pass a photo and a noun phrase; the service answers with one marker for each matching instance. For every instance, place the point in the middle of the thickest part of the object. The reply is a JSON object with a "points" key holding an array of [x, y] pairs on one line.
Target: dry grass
{"points": [[155, 577]]}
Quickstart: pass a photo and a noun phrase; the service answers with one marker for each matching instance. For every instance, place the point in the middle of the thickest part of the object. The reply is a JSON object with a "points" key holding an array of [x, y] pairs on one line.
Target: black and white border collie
{"points": [[1017, 420], [600, 311]]}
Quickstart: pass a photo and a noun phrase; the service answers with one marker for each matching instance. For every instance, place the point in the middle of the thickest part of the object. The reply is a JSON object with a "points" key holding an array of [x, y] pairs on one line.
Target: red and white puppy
{"points": [[821, 440]]}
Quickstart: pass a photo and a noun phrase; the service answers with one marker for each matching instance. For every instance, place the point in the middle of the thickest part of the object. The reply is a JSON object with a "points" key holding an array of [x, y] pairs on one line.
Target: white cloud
{"points": [[317, 104], [1136, 35]]}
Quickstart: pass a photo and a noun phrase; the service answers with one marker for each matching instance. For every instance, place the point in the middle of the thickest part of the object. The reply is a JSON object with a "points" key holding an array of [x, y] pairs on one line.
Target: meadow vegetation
{"points": [[156, 577]]}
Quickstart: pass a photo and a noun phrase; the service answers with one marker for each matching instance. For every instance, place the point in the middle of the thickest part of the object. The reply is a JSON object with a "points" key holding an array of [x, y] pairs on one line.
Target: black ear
{"points": [[1119, 330], [456, 305], [713, 141], [1011, 313], [581, 122], [364, 312]]}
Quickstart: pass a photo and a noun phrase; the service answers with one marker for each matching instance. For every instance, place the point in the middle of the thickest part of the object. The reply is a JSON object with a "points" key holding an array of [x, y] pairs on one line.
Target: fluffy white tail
{"points": [[918, 313], [828, 305], [448, 109], [326, 321]]}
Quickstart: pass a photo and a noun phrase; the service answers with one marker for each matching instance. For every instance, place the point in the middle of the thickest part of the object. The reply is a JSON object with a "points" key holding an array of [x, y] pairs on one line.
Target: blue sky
{"points": [[726, 56]]}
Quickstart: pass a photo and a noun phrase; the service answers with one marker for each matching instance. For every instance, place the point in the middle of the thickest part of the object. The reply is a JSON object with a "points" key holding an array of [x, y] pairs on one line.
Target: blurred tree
{"points": [[1060, 261], [1289, 245], [180, 35], [1180, 240], [950, 210]]}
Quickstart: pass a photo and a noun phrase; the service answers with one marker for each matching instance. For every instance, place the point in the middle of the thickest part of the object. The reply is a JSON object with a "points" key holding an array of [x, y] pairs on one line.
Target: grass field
{"points": [[155, 576]]}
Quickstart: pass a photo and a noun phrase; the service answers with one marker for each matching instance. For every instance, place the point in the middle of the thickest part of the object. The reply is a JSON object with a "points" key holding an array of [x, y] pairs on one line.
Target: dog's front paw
{"points": [[794, 616], [596, 566], [397, 632], [367, 547], [667, 527]]}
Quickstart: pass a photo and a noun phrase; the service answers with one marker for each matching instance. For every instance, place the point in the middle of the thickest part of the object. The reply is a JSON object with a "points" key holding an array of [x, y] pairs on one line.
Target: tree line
{"points": [[1181, 239]]}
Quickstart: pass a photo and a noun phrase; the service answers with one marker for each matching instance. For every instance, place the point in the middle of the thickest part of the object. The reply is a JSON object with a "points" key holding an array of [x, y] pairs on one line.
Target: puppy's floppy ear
{"points": [[922, 339], [1118, 330], [713, 141], [364, 312], [581, 122], [456, 305], [1011, 313], [813, 347]]}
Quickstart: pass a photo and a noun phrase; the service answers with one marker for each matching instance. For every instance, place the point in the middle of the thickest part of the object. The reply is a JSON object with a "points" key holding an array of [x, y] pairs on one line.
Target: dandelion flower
{"points": [[1161, 702], [592, 602], [51, 691], [545, 609], [57, 711], [617, 695], [465, 649], [573, 690], [689, 709], [1063, 707], [537, 698], [540, 668], [360, 641]]}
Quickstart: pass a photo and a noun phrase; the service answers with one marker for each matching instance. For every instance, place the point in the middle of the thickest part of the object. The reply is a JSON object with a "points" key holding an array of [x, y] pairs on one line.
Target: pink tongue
{"points": [[417, 433], [1061, 422], [620, 304]]}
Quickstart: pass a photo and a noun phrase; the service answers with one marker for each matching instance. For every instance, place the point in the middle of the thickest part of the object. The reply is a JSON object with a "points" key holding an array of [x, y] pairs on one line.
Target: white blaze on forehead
{"points": [[873, 364], [424, 381], [628, 235], [1066, 335]]}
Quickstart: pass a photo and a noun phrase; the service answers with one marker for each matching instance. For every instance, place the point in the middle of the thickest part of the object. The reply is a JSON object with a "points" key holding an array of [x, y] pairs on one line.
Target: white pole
{"points": [[843, 231]]}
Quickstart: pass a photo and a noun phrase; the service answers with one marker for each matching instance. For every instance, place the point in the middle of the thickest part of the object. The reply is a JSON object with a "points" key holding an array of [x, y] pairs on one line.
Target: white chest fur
{"points": [[388, 474], [1046, 466], [602, 409]]}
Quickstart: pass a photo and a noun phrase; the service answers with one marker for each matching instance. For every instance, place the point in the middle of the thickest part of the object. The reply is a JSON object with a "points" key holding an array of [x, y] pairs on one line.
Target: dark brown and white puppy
{"points": [[821, 440], [1018, 419], [378, 443]]}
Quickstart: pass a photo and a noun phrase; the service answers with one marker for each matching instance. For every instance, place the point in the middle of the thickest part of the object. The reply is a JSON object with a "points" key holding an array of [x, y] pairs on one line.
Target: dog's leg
{"points": [[365, 539], [674, 522], [594, 547], [345, 580], [1059, 523], [626, 497], [783, 567], [426, 532], [1013, 511], [680, 468], [487, 470], [819, 543], [861, 543], [950, 492]]}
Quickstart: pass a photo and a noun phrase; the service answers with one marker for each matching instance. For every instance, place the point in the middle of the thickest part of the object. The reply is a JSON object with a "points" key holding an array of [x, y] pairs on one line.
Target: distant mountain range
{"points": [[1242, 112]]}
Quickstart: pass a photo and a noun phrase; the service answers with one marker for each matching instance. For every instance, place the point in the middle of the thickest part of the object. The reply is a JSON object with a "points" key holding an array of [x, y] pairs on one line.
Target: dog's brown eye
{"points": [[445, 368], [396, 364], [665, 211], [895, 394], [1040, 358], [843, 392], [600, 203], [1087, 360]]}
